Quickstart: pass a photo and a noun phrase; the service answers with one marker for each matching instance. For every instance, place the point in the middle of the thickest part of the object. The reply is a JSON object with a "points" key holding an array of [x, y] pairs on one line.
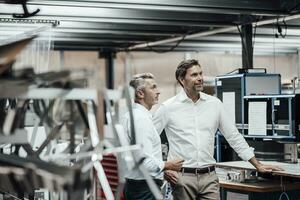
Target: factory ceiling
{"points": [[120, 25]]}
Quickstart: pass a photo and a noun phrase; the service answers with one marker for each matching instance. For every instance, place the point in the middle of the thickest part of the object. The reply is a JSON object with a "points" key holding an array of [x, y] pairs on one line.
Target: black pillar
{"points": [[247, 48], [109, 62], [109, 67]]}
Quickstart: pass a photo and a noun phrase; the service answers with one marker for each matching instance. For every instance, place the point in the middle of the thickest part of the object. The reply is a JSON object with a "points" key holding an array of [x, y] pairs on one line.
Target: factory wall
{"points": [[163, 66]]}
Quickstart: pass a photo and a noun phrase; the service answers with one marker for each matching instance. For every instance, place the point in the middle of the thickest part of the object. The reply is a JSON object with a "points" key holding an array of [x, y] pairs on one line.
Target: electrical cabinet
{"points": [[282, 116], [235, 87]]}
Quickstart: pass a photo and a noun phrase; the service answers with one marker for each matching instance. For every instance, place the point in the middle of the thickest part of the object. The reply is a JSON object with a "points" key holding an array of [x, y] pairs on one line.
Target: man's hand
{"points": [[268, 168], [263, 168], [174, 165], [171, 177]]}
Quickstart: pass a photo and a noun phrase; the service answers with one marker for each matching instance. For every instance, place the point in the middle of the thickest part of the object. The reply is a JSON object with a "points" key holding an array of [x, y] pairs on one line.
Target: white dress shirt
{"points": [[147, 136], [190, 128]]}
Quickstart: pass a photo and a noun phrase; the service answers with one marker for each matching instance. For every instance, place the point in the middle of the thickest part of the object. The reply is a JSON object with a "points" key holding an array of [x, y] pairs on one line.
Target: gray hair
{"points": [[138, 81]]}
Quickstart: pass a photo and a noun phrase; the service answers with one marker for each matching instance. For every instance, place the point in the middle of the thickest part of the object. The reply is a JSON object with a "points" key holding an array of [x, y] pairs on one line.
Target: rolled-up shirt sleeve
{"points": [[232, 135]]}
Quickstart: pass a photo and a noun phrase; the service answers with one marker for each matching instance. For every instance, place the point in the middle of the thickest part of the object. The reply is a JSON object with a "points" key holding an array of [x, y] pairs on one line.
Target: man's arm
{"points": [[232, 135], [160, 118], [239, 144], [263, 168], [174, 165], [151, 162], [145, 138]]}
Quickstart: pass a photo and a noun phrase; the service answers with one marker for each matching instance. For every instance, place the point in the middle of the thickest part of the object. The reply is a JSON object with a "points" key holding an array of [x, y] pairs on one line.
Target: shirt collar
{"points": [[183, 97], [142, 108]]}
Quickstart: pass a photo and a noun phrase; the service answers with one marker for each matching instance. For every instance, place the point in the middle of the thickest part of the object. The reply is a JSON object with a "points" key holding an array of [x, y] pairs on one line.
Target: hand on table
{"points": [[268, 168]]}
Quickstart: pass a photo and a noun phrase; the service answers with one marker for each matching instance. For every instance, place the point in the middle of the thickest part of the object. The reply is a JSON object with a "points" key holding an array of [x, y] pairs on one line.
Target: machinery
{"points": [[267, 119]]}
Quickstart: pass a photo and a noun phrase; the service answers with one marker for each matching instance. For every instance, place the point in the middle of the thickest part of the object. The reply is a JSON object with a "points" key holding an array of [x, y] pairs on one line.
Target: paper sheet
{"points": [[229, 104], [257, 115]]}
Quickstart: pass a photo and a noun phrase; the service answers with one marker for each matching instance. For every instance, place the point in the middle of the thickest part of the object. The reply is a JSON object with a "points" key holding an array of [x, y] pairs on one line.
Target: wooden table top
{"points": [[261, 186], [290, 169]]}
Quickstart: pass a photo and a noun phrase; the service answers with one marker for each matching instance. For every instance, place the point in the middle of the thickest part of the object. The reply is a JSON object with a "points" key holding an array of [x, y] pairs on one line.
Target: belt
{"points": [[138, 182], [198, 170]]}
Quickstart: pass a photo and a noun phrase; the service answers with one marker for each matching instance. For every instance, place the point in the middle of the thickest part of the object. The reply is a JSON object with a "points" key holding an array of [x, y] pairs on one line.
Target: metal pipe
{"points": [[211, 32], [196, 35]]}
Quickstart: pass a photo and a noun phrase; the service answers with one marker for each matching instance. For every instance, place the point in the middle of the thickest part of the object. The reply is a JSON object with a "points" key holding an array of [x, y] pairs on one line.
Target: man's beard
{"points": [[198, 88]]}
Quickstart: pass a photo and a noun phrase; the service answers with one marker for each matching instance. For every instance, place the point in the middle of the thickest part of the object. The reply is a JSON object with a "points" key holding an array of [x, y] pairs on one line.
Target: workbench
{"points": [[267, 189], [290, 169]]}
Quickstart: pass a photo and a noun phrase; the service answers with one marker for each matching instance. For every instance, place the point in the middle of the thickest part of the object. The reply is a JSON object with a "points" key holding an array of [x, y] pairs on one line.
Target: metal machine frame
{"points": [[241, 90]]}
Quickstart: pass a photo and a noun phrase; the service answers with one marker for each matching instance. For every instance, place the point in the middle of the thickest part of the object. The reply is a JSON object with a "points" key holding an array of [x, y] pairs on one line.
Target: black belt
{"points": [[137, 182], [198, 170]]}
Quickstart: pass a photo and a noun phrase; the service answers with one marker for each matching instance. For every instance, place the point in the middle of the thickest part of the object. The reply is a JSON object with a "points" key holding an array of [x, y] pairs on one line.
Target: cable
{"points": [[274, 61], [169, 50], [285, 27], [294, 8], [283, 191], [284, 194], [279, 29]]}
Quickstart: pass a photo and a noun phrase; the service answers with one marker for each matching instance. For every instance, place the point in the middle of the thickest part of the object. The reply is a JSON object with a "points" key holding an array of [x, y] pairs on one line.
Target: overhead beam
{"points": [[219, 49], [233, 38], [129, 21], [116, 13], [224, 45], [149, 28], [253, 7], [229, 45], [232, 50], [132, 21], [211, 32]]}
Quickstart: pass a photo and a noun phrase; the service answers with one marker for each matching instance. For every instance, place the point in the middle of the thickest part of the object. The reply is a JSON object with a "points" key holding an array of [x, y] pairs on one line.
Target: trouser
{"points": [[139, 190], [197, 186]]}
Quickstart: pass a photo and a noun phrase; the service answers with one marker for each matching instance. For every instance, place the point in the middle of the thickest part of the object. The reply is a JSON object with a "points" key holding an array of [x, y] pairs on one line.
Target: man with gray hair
{"points": [[146, 95]]}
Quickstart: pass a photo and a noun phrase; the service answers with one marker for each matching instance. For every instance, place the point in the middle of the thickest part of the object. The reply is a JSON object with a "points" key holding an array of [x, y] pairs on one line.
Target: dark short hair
{"points": [[183, 67]]}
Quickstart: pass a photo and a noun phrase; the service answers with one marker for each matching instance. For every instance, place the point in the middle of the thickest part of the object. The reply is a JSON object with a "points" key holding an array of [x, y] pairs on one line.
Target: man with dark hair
{"points": [[191, 119], [146, 95]]}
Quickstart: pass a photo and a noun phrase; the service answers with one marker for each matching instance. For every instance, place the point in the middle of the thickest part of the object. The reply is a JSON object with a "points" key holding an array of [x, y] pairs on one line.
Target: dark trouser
{"points": [[139, 190]]}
